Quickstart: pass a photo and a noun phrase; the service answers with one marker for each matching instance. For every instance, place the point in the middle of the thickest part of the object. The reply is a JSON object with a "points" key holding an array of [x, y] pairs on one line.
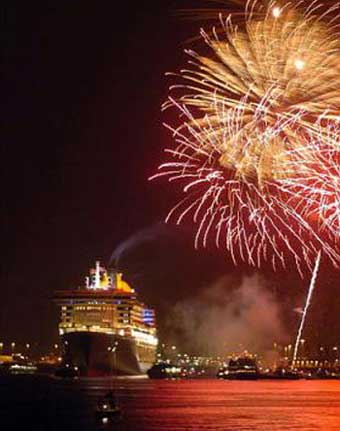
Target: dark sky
{"points": [[84, 82]]}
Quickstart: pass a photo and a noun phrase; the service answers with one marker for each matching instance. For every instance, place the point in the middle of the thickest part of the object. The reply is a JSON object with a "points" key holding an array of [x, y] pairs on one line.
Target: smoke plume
{"points": [[230, 316], [149, 235]]}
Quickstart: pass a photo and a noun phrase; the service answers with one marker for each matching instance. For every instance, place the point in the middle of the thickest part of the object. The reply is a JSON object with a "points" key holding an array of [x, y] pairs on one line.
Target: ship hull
{"points": [[94, 354]]}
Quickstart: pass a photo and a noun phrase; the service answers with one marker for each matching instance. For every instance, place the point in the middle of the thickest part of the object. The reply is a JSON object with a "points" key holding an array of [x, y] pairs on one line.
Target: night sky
{"points": [[84, 82]]}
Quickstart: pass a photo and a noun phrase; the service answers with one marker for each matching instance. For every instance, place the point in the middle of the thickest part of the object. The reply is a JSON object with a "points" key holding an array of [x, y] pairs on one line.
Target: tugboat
{"points": [[283, 374], [164, 370], [244, 368]]}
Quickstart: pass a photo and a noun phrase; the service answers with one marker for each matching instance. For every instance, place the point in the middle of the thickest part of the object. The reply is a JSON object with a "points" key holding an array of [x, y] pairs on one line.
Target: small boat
{"points": [[282, 374], [165, 371], [242, 368], [67, 372], [107, 409]]}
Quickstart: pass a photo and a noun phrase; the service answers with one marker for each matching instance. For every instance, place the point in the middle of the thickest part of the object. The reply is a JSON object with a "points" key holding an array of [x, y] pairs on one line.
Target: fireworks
{"points": [[258, 148], [305, 310]]}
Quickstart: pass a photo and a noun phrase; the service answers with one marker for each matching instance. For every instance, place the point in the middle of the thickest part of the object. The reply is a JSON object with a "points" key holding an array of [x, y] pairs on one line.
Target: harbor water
{"points": [[48, 403]]}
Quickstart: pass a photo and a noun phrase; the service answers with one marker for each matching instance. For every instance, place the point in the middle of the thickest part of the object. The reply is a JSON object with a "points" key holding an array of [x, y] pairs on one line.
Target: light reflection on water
{"points": [[228, 406], [156, 405]]}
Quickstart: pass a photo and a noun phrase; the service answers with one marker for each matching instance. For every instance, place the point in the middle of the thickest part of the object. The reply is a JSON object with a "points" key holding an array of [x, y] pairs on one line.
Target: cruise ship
{"points": [[105, 329]]}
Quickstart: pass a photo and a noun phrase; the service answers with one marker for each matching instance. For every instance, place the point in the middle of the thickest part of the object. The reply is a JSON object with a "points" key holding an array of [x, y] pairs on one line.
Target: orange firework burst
{"points": [[258, 143]]}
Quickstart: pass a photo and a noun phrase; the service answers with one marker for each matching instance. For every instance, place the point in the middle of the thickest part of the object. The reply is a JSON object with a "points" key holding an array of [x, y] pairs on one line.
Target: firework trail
{"points": [[305, 311], [257, 147]]}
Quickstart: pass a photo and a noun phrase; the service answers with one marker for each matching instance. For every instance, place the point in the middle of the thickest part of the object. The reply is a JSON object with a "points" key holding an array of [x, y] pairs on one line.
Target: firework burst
{"points": [[258, 142]]}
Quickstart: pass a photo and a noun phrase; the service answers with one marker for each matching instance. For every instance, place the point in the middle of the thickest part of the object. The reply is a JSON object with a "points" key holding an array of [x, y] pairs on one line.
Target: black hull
{"points": [[92, 354]]}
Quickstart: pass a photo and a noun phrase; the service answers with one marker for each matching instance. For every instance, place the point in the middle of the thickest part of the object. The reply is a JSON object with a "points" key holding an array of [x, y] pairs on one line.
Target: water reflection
{"points": [[207, 405]]}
